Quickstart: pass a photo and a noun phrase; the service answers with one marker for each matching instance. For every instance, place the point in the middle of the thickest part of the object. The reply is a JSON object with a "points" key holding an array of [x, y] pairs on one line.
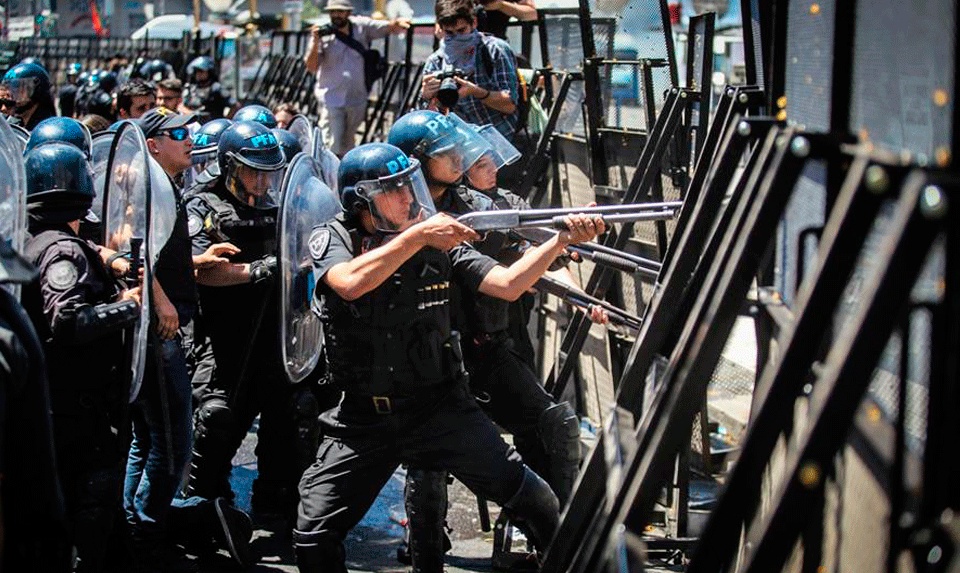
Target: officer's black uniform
{"points": [[242, 324], [405, 398], [73, 307], [35, 529], [546, 434]]}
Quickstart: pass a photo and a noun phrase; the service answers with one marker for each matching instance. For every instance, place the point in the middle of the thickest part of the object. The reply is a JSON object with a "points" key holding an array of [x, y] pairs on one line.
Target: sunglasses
{"points": [[177, 133]]}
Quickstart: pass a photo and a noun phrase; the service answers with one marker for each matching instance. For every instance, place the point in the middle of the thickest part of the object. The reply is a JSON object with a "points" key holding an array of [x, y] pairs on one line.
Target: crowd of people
{"points": [[423, 349]]}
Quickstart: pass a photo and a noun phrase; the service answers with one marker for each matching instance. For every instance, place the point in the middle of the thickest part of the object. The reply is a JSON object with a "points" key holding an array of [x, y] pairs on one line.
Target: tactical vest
{"points": [[476, 313], [235, 314], [76, 370], [395, 339]]}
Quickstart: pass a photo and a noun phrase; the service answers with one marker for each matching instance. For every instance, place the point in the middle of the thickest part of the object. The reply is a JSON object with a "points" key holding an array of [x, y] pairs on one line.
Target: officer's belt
{"points": [[395, 403]]}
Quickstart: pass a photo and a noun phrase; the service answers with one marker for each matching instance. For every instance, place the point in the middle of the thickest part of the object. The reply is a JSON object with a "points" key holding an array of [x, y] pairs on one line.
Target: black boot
{"points": [[233, 531], [425, 498], [534, 509]]}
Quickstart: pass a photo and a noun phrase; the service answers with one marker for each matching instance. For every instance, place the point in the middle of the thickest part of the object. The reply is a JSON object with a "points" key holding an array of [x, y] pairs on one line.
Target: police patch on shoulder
{"points": [[194, 224], [319, 241], [61, 275]]}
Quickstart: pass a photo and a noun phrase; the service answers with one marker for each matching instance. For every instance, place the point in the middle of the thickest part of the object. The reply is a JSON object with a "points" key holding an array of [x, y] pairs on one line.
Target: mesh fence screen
{"points": [[903, 76]]}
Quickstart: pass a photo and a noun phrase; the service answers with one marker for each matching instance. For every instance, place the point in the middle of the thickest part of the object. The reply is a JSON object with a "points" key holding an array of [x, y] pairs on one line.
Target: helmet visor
{"points": [[465, 139], [398, 201], [255, 188], [20, 90], [504, 151]]}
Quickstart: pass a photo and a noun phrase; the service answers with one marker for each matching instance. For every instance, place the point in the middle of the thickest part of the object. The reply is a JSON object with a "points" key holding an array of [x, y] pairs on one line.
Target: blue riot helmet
{"points": [[201, 63], [59, 183], [204, 152], [443, 144], [73, 71], [156, 70], [27, 84], [288, 142], [251, 163], [62, 129], [256, 113], [33, 60], [381, 178], [82, 79]]}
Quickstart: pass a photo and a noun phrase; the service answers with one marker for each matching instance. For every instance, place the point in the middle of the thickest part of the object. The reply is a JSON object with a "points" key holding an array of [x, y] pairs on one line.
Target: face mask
{"points": [[461, 50]]}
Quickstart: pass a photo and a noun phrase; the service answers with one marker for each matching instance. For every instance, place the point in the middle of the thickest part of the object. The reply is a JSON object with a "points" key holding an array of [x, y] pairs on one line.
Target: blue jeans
{"points": [[160, 449]]}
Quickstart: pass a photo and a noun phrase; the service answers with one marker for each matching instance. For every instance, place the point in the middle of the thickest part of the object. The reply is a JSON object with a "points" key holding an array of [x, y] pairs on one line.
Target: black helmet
{"points": [[28, 83], [205, 63], [59, 183], [288, 142], [380, 177], [427, 134], [62, 129], [256, 113], [108, 81], [248, 152], [156, 70]]}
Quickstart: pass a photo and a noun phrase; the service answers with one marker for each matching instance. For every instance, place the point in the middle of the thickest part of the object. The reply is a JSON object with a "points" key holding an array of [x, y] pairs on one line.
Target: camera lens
{"points": [[448, 96]]}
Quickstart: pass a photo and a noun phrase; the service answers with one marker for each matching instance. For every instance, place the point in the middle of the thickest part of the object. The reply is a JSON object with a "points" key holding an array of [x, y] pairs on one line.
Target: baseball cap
{"points": [[160, 118]]}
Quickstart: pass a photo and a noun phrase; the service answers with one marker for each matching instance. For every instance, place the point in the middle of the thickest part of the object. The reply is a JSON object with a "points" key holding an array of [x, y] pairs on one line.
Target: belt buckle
{"points": [[382, 405]]}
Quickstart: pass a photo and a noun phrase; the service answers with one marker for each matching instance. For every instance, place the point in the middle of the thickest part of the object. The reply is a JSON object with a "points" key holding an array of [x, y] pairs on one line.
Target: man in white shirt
{"points": [[339, 65]]}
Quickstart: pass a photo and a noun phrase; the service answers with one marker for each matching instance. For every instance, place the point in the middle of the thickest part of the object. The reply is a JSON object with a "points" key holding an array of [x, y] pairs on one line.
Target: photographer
{"points": [[472, 73], [334, 55]]}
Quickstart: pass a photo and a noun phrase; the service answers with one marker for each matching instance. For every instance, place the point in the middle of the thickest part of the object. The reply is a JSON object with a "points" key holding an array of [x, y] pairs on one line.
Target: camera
{"points": [[327, 30], [448, 94]]}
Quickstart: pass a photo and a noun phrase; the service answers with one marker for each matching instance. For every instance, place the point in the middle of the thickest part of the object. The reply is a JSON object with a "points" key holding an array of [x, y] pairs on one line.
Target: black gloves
{"points": [[263, 269]]}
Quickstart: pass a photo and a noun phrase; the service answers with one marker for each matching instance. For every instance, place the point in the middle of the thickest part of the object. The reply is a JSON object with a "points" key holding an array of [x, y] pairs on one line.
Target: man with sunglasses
{"points": [[151, 482]]}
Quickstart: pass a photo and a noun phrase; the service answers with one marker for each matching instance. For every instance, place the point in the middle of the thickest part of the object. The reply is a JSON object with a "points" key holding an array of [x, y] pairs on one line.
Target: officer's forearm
{"points": [[227, 274], [509, 283], [87, 323], [362, 274]]}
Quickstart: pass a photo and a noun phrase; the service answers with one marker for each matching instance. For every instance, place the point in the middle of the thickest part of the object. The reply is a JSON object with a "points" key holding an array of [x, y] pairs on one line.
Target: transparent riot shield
{"points": [[301, 127], [307, 202], [100, 153], [21, 134], [13, 212], [138, 212], [327, 160]]}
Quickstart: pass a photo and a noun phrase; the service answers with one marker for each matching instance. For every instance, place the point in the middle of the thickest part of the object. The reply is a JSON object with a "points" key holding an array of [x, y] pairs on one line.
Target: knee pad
{"points": [[213, 418]]}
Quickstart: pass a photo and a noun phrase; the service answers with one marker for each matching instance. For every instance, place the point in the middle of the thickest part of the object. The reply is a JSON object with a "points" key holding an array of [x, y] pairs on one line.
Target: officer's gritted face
{"points": [[393, 206], [483, 173], [283, 119], [446, 167]]}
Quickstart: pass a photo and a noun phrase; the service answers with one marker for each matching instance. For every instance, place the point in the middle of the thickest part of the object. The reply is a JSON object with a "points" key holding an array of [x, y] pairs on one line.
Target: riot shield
{"points": [[13, 212], [301, 127], [100, 153], [21, 134], [134, 182], [327, 160], [306, 203]]}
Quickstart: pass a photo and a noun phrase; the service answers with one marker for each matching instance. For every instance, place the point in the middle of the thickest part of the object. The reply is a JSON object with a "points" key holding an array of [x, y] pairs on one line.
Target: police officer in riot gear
{"points": [[63, 129], [79, 313], [203, 93], [239, 303], [25, 95], [384, 280], [545, 433]]}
